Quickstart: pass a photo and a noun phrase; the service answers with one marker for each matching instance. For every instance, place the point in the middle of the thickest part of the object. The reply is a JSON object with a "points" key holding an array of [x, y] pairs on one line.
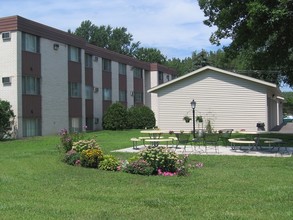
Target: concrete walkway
{"points": [[286, 128], [244, 151]]}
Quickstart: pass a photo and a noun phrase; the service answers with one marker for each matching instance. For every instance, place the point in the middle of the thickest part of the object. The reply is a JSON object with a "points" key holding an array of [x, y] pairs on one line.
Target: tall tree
{"points": [[151, 55], [115, 39], [258, 28]]}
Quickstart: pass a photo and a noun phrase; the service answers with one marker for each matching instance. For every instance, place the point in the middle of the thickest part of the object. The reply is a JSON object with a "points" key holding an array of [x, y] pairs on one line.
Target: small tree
{"points": [[115, 118], [6, 116]]}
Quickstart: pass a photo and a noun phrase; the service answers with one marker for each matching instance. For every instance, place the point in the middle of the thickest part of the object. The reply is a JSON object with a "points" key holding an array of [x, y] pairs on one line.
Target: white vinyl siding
{"points": [[229, 102]]}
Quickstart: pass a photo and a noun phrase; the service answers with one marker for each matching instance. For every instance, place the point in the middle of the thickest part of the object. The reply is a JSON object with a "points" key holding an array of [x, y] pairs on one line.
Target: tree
{"points": [[6, 116], [115, 39], [257, 28], [181, 66], [200, 59], [151, 55]]}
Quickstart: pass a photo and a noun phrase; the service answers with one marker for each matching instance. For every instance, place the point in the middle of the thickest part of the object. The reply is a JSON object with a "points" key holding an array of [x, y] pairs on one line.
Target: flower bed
{"points": [[151, 161]]}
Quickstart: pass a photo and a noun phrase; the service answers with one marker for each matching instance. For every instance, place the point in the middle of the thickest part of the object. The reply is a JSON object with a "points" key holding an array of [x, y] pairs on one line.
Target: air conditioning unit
{"points": [[6, 36], [6, 80], [96, 58]]}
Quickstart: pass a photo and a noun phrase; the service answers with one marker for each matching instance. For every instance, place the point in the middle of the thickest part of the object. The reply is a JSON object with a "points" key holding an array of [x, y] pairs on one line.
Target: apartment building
{"points": [[56, 80]]}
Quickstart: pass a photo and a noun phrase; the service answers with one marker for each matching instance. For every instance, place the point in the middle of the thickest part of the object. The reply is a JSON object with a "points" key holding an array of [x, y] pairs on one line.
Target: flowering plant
{"points": [[160, 158], [160, 173], [123, 164], [67, 138], [72, 158], [84, 145], [91, 157], [109, 162], [140, 166]]}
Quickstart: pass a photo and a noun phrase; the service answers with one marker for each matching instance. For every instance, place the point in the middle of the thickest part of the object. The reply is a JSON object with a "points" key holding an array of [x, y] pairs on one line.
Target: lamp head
{"points": [[193, 104]]}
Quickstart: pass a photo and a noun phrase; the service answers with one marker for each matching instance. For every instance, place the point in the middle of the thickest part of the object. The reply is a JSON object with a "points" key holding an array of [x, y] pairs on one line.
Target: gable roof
{"points": [[271, 85]]}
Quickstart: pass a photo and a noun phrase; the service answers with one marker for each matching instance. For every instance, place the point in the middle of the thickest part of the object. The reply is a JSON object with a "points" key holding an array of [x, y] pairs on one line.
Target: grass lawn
{"points": [[36, 184]]}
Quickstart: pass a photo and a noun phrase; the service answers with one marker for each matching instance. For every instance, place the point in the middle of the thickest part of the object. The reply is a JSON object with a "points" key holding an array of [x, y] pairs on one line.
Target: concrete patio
{"points": [[244, 151]]}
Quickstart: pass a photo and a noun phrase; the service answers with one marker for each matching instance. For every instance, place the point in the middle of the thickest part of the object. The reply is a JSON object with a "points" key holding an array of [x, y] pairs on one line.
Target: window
{"points": [[161, 77], [74, 90], [31, 127], [30, 43], [137, 73], [30, 85], [88, 92], [75, 124], [106, 65], [107, 94], [122, 69], [88, 61], [138, 97], [73, 54], [122, 95]]}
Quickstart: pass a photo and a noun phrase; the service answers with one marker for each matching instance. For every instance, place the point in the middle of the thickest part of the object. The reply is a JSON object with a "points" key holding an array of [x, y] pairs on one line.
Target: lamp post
{"points": [[193, 104]]}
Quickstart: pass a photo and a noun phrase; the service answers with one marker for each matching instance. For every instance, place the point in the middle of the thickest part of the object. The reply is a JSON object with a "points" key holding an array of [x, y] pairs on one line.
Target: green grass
{"points": [[35, 184]]}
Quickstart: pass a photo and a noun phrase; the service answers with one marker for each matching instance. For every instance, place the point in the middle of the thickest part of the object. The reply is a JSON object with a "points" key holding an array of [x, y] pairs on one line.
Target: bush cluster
{"points": [[118, 117], [151, 161]]}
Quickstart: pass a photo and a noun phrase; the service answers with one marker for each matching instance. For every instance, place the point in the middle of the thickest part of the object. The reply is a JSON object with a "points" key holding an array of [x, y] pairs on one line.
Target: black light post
{"points": [[193, 104]]}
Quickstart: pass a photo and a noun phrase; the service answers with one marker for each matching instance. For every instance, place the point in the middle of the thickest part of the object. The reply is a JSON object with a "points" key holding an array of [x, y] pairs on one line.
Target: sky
{"points": [[175, 27]]}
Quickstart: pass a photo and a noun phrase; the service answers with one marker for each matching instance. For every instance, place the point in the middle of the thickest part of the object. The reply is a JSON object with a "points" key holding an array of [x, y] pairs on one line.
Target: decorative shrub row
{"points": [[151, 161], [118, 117]]}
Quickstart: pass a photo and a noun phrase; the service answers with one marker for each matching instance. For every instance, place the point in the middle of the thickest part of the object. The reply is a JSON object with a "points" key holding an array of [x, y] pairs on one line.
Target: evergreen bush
{"points": [[115, 118], [140, 117]]}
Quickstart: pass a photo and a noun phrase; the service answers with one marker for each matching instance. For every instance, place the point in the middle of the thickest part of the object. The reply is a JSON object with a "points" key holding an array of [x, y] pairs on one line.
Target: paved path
{"points": [[285, 128]]}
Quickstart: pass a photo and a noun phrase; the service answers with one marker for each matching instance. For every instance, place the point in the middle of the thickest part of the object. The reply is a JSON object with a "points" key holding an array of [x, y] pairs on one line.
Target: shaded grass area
{"points": [[35, 184]]}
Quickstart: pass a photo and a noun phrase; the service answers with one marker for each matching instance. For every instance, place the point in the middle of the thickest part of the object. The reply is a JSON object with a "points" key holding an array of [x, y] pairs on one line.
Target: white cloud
{"points": [[173, 26]]}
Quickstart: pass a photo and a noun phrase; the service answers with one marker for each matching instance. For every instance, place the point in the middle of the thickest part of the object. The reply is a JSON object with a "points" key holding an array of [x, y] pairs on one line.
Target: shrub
{"points": [[72, 158], [160, 158], [109, 162], [139, 167], [91, 157], [6, 117], [140, 117], [115, 118], [67, 138], [81, 145]]}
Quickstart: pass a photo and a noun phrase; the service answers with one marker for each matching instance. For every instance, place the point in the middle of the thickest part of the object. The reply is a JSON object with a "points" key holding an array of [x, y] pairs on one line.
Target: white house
{"points": [[227, 99]]}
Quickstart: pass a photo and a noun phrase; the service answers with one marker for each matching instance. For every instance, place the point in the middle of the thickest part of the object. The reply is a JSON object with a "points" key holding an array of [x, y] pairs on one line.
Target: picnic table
{"points": [[256, 140], [155, 137]]}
